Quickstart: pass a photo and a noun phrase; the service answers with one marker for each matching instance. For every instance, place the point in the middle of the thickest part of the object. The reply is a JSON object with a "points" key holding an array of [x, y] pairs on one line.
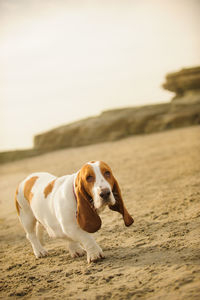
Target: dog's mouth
{"points": [[116, 195], [92, 203], [103, 202], [101, 207]]}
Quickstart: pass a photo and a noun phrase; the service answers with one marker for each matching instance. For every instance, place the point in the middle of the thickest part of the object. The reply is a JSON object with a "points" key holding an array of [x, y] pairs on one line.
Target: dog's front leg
{"points": [[94, 252]]}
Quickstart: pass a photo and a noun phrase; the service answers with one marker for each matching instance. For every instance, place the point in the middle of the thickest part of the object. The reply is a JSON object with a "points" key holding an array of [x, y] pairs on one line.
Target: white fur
{"points": [[57, 213]]}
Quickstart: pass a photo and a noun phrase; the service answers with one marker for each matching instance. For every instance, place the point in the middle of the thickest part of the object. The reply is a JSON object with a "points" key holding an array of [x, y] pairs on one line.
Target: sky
{"points": [[64, 60]]}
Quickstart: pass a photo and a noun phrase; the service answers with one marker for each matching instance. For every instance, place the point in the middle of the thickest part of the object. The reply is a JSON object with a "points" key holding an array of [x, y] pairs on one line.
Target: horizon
{"points": [[68, 61]]}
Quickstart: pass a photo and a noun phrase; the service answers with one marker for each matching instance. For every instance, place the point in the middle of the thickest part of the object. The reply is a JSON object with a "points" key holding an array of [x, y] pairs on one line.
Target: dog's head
{"points": [[96, 188]]}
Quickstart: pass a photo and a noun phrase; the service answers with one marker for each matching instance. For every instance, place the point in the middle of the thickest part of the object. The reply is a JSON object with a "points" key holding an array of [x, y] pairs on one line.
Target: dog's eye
{"points": [[90, 178], [107, 174]]}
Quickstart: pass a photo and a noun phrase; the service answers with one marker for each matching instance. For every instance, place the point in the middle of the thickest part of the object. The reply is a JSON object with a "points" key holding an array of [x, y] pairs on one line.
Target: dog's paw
{"points": [[77, 253], [95, 256], [40, 253], [76, 250]]}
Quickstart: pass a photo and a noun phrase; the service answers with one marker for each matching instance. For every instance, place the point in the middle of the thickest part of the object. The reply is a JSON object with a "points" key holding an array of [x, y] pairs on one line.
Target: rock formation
{"points": [[183, 110], [111, 125], [186, 85]]}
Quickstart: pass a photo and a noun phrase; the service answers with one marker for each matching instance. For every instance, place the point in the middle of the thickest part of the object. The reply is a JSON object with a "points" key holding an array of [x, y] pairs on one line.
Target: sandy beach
{"points": [[158, 257]]}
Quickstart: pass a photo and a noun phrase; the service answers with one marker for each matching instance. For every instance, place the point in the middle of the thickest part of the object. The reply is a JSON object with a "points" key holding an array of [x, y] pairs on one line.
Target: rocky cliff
{"points": [[117, 124], [182, 81], [183, 110], [185, 84]]}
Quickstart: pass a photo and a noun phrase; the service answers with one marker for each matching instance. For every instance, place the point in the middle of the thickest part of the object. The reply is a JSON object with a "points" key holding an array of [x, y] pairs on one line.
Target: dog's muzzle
{"points": [[105, 194]]}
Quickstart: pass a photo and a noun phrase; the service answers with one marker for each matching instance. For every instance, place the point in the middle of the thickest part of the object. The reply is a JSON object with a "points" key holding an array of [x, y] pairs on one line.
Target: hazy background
{"points": [[65, 60]]}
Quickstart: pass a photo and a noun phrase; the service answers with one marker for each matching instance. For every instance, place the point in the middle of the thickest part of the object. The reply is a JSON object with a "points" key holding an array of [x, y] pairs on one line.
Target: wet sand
{"points": [[158, 257]]}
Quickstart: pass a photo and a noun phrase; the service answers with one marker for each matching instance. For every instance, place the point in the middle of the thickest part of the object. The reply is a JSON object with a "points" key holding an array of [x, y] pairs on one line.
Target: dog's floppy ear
{"points": [[87, 217], [119, 205]]}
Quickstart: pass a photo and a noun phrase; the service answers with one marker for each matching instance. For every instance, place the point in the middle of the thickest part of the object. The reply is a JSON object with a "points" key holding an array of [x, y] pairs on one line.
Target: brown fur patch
{"points": [[119, 205], [105, 168], [87, 170], [87, 216], [28, 187], [48, 189], [16, 202]]}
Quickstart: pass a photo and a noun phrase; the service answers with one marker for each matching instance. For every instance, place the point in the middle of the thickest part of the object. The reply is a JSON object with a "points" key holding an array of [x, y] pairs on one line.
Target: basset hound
{"points": [[68, 207]]}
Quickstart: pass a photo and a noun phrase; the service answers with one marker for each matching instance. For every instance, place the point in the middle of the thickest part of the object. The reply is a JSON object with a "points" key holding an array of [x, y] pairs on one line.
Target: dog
{"points": [[68, 207]]}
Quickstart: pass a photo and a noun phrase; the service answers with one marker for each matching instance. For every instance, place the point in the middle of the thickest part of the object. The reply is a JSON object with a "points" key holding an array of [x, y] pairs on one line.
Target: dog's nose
{"points": [[105, 193]]}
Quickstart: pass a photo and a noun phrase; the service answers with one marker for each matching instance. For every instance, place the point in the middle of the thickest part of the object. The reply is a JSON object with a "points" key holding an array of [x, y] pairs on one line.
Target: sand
{"points": [[158, 257]]}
